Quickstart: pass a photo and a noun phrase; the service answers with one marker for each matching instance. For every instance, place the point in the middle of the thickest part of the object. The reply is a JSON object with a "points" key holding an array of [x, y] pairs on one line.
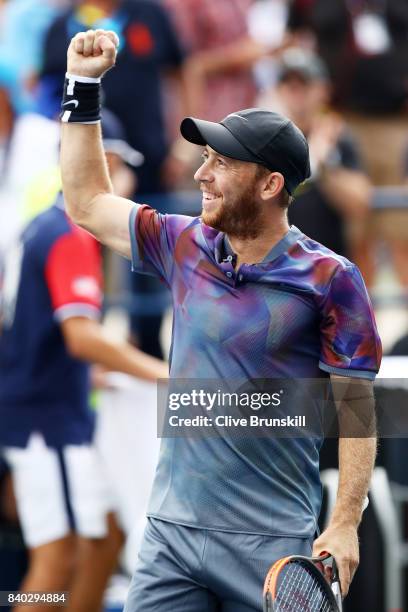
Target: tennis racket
{"points": [[298, 584]]}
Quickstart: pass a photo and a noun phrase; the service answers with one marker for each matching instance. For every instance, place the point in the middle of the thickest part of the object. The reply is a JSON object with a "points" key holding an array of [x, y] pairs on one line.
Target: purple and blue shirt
{"points": [[303, 312]]}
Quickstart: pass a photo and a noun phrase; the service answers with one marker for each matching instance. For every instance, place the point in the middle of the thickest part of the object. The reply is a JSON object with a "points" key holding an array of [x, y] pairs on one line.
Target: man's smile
{"points": [[209, 200]]}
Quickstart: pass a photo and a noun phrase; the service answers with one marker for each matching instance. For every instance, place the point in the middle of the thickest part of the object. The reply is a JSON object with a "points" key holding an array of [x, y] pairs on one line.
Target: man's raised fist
{"points": [[92, 53]]}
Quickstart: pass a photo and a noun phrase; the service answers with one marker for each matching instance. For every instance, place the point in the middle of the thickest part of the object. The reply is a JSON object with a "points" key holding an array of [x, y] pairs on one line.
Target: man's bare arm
{"points": [[349, 191], [85, 339], [357, 451], [88, 195], [85, 178]]}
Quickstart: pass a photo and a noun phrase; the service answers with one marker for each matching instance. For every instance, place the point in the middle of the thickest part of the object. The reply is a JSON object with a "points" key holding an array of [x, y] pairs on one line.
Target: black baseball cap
{"points": [[255, 135]]}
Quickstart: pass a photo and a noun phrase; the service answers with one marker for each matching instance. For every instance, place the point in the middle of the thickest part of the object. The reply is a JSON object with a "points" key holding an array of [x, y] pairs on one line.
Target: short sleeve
{"points": [[153, 237], [73, 276], [350, 344]]}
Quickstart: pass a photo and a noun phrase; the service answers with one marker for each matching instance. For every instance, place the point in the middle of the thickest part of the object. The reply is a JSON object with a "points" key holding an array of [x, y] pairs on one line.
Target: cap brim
{"points": [[217, 136]]}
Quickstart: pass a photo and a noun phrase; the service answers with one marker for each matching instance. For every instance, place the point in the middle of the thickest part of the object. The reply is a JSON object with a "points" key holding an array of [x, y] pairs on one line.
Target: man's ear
{"points": [[272, 185]]}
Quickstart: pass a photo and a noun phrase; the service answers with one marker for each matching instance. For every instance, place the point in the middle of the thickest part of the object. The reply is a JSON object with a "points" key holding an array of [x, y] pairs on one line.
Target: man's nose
{"points": [[204, 173]]}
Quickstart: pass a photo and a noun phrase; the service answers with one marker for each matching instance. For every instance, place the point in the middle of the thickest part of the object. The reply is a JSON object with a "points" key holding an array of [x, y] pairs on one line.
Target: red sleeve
{"points": [[73, 275]]}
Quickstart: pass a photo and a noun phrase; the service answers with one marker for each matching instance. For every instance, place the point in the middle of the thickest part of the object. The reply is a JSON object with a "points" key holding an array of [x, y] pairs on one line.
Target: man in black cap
{"points": [[253, 299]]}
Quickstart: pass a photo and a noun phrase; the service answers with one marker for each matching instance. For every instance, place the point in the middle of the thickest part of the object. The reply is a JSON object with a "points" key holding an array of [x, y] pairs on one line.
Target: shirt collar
{"points": [[224, 250]]}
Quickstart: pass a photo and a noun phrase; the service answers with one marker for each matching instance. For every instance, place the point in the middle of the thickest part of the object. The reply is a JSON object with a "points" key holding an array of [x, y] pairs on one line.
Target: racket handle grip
{"points": [[267, 604], [337, 594], [336, 589]]}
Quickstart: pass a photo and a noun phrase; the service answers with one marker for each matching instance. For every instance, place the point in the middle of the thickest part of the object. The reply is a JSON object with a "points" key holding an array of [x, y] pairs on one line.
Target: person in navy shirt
{"points": [[134, 92], [50, 332], [149, 51]]}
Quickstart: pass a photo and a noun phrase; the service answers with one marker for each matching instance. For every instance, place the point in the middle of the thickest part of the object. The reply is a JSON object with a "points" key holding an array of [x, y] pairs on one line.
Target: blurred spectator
{"points": [[23, 25], [365, 45], [31, 177], [217, 39], [6, 124], [337, 192], [400, 255], [400, 348], [50, 304], [133, 91], [267, 20], [13, 555], [219, 68]]}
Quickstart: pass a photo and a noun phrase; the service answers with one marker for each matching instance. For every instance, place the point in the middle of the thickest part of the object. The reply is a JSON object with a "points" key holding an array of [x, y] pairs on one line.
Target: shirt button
{"points": [[240, 277], [229, 274]]}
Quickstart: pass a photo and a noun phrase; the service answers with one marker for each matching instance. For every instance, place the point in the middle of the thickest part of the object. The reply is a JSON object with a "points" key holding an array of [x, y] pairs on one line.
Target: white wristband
{"points": [[82, 79]]}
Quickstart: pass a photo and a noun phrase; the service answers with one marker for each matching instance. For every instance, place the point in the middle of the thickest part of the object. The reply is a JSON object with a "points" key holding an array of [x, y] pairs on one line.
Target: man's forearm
{"points": [[84, 168], [355, 404], [83, 165], [124, 358], [88, 192], [356, 462], [86, 340], [347, 190]]}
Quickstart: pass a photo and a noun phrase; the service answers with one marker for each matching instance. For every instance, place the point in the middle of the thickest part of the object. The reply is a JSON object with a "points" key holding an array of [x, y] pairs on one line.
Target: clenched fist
{"points": [[92, 53]]}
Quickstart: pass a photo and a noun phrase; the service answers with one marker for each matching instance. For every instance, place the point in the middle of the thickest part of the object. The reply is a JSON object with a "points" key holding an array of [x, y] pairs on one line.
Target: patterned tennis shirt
{"points": [[303, 312]]}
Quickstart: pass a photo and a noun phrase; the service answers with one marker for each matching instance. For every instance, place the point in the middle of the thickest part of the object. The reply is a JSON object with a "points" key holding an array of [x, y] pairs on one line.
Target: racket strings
{"points": [[300, 591]]}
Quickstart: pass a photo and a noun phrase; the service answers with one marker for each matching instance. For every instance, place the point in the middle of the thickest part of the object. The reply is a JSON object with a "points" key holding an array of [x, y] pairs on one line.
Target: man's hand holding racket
{"points": [[299, 584], [341, 541], [317, 583]]}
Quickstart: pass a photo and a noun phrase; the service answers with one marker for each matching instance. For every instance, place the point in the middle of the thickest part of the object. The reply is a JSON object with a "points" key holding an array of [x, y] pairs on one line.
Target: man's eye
{"points": [[220, 161], [204, 156]]}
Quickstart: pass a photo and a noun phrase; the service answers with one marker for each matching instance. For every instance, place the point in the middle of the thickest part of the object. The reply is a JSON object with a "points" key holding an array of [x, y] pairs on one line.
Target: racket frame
{"points": [[333, 591]]}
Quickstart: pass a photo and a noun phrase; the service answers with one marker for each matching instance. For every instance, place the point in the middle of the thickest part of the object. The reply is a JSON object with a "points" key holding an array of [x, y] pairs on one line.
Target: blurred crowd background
{"points": [[338, 68]]}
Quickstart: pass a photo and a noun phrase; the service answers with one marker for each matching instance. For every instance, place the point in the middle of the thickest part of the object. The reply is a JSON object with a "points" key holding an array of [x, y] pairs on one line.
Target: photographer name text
{"points": [[229, 421]]}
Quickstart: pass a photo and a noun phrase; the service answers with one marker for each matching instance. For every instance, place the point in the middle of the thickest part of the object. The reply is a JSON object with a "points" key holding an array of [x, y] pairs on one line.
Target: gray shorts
{"points": [[182, 569]]}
